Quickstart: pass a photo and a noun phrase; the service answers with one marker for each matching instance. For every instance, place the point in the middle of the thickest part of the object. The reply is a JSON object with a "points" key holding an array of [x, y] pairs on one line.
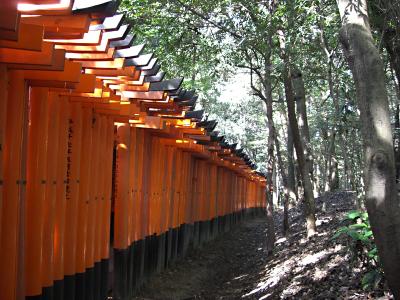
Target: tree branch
{"points": [[257, 92], [208, 20]]}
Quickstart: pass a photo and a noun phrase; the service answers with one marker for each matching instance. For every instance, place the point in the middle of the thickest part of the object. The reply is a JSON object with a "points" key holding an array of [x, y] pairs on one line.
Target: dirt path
{"points": [[235, 265]]}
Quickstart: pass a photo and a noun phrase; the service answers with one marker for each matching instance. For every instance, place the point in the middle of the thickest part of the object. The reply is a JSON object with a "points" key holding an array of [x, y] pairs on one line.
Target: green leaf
{"points": [[358, 226], [373, 253], [368, 233], [353, 215], [371, 279], [339, 232], [364, 216]]}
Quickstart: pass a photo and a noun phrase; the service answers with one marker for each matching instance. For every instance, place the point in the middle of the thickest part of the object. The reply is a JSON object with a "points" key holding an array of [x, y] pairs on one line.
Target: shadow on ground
{"points": [[236, 266]]}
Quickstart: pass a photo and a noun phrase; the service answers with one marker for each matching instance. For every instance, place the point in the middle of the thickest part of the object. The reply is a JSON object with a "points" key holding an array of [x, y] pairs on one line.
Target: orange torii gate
{"points": [[107, 174]]}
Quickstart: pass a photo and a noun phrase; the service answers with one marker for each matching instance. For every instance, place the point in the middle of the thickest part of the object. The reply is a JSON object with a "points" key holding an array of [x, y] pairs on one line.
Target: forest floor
{"points": [[236, 266]]}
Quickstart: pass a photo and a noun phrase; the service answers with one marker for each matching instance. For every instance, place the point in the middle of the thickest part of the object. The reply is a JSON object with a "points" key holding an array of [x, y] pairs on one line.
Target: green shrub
{"points": [[362, 246]]}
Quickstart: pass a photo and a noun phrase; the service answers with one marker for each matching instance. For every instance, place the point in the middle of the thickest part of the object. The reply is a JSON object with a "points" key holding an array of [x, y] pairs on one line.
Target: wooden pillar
{"points": [[132, 184], [13, 188], [147, 159], [51, 191], [3, 117], [36, 190], [72, 197], [81, 207], [121, 212], [60, 205], [107, 189], [92, 207], [139, 184]]}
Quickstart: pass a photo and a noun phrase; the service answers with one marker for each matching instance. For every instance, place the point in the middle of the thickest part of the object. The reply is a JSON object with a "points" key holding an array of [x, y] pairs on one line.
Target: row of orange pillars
{"points": [[107, 173]]}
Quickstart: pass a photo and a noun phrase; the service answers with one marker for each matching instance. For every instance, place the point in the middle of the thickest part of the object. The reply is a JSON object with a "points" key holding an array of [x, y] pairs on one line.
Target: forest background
{"points": [[308, 89]]}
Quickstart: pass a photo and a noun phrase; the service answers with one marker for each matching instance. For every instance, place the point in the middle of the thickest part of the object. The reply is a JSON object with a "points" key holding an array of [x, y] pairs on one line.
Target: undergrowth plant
{"points": [[362, 246]]}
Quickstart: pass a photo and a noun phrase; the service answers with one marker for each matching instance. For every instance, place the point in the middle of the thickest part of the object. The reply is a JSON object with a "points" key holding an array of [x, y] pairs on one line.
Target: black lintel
{"points": [[155, 78], [212, 125], [130, 52], [152, 71], [122, 44], [174, 93], [166, 85], [112, 22], [150, 65], [141, 60], [187, 95], [196, 114], [203, 123], [190, 102], [118, 35]]}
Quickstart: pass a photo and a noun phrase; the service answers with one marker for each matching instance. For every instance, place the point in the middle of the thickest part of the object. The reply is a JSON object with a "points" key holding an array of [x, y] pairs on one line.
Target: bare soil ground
{"points": [[236, 266]]}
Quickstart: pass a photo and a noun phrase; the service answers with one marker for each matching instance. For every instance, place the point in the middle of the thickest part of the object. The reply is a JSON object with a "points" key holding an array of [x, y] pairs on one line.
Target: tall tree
{"points": [[309, 203], [381, 197]]}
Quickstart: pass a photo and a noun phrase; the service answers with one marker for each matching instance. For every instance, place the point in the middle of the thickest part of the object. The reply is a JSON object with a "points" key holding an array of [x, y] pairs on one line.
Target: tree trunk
{"points": [[309, 203], [285, 187], [330, 161], [381, 198], [270, 152], [333, 179], [301, 108], [291, 178]]}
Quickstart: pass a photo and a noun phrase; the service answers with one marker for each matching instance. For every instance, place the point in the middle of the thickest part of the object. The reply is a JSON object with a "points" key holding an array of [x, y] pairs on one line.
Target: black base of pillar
{"points": [[48, 293], [120, 274]]}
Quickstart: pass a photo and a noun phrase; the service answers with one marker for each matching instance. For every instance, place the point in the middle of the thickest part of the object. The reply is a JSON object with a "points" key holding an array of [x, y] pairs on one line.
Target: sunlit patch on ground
{"points": [[236, 266]]}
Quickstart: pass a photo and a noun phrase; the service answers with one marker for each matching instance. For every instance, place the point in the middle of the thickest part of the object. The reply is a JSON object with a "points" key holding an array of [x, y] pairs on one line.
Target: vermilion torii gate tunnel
{"points": [[107, 173]]}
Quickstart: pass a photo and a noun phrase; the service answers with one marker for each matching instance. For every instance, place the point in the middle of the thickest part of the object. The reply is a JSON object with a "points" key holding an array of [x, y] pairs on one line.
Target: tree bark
{"points": [[301, 109], [270, 151], [285, 225], [291, 178], [309, 203], [381, 198]]}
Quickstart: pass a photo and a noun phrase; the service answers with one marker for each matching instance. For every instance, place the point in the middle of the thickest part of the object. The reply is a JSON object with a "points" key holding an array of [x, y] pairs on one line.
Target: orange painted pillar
{"points": [[121, 212], [153, 187], [170, 190], [186, 186], [122, 185], [100, 203], [60, 205], [3, 116], [139, 184], [11, 279], [132, 184], [189, 199], [213, 191], [74, 146], [196, 208], [51, 190], [92, 216], [159, 188], [83, 215], [178, 195], [36, 190], [169, 177], [147, 161], [107, 190]]}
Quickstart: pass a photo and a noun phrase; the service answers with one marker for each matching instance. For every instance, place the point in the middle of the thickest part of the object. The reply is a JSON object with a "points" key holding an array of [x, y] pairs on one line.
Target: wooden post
{"points": [[121, 212], [72, 196], [13, 189], [36, 190], [60, 205], [3, 117], [50, 196]]}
